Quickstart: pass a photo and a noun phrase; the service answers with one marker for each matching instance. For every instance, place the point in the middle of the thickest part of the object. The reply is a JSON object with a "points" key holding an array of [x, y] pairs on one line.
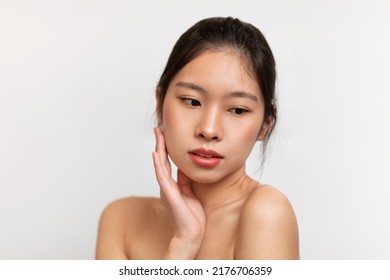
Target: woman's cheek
{"points": [[173, 133]]}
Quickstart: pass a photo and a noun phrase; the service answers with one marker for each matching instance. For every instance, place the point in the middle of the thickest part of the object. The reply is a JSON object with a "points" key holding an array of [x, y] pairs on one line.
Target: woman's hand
{"points": [[186, 210]]}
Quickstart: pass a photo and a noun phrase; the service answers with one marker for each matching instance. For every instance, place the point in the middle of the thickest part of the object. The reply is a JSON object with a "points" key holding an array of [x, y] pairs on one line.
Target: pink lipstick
{"points": [[206, 158]]}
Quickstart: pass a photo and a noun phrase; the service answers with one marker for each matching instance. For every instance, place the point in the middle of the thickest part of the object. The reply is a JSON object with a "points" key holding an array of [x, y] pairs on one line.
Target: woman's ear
{"points": [[263, 131], [158, 91], [158, 107], [268, 123], [265, 128]]}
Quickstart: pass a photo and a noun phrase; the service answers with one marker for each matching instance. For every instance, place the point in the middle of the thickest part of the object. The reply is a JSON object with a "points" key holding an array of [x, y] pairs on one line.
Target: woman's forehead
{"points": [[218, 70]]}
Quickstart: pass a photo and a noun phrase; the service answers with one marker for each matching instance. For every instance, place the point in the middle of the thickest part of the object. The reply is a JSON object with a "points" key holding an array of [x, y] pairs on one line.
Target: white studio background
{"points": [[77, 85]]}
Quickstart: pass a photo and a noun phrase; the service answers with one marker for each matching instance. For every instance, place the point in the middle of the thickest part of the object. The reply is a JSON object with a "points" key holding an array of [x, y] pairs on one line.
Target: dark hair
{"points": [[229, 33]]}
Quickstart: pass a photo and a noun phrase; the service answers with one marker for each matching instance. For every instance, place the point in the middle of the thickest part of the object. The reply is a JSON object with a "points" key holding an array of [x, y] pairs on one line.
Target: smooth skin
{"points": [[209, 212]]}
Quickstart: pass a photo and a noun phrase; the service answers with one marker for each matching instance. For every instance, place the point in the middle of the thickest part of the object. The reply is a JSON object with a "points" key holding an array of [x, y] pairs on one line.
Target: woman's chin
{"points": [[199, 175], [202, 178]]}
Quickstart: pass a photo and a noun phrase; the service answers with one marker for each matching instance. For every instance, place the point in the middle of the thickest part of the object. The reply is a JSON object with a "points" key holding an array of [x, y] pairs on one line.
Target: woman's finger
{"points": [[167, 184], [182, 179], [161, 175], [161, 149], [184, 184]]}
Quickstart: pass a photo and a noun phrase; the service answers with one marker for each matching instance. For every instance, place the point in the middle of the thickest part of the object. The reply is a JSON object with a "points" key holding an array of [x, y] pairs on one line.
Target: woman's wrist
{"points": [[182, 249]]}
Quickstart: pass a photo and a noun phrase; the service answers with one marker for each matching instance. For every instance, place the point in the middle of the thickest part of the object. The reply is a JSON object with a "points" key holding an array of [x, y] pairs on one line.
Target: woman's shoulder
{"points": [[266, 200], [268, 207], [129, 211], [121, 218], [132, 206], [268, 226]]}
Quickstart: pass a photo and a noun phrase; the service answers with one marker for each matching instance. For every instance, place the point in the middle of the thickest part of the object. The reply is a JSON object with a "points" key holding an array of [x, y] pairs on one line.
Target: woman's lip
{"points": [[206, 158], [206, 153], [205, 161]]}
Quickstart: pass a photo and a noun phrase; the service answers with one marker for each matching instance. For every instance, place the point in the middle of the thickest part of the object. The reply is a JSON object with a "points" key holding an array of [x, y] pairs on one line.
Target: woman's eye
{"points": [[239, 111], [191, 102]]}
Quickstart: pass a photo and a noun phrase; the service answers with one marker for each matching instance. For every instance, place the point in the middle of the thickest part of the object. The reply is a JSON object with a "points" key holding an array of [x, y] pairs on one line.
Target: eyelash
{"points": [[189, 102], [244, 111]]}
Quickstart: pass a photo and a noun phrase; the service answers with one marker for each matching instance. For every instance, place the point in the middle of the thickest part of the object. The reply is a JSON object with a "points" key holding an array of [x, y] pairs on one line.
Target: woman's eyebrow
{"points": [[243, 94], [232, 94], [191, 86]]}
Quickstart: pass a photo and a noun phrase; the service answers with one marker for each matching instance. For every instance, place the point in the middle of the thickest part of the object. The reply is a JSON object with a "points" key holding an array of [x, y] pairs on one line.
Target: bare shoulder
{"points": [[121, 218], [267, 202], [132, 206], [268, 227]]}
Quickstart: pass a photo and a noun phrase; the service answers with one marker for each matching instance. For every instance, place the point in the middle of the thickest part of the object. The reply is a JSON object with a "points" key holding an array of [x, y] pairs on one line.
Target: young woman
{"points": [[215, 100]]}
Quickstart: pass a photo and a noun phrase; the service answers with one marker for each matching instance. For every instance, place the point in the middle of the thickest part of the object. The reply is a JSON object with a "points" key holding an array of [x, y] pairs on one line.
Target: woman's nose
{"points": [[209, 126]]}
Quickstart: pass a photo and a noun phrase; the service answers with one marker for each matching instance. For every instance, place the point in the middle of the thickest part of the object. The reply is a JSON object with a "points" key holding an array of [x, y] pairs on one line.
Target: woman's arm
{"points": [[268, 228], [185, 209]]}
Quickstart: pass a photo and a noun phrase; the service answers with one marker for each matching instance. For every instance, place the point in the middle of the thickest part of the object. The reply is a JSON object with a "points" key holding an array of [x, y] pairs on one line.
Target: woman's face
{"points": [[212, 115]]}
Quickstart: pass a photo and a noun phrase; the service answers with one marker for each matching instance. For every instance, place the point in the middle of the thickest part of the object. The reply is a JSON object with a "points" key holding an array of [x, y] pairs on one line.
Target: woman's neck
{"points": [[231, 188]]}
